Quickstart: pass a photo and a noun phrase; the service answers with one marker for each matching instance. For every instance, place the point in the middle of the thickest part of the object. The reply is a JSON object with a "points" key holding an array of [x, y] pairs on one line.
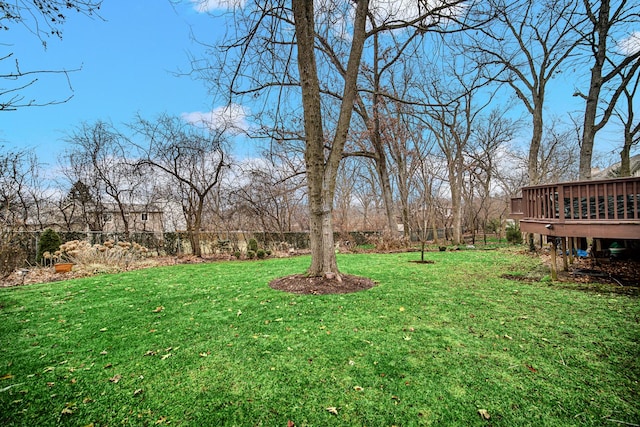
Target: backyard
{"points": [[458, 341]]}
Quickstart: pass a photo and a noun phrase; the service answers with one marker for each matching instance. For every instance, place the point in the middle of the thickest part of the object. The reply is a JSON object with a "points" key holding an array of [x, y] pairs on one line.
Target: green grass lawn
{"points": [[212, 344]]}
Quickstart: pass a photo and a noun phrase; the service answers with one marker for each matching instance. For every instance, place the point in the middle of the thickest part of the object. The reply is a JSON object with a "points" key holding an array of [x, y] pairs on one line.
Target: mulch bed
{"points": [[301, 284]]}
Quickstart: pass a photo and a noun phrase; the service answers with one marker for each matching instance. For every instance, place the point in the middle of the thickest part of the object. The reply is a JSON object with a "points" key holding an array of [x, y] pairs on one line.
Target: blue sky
{"points": [[128, 58]]}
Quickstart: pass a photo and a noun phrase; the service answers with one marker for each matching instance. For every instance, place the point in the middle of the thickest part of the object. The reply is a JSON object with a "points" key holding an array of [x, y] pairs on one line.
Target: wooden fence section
{"points": [[604, 209]]}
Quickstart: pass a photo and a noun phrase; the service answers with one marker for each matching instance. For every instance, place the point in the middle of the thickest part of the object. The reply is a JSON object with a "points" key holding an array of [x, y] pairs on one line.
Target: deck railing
{"points": [[605, 200]]}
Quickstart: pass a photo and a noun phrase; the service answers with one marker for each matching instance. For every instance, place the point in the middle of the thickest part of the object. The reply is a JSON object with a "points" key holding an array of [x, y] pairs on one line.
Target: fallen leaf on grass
{"points": [[158, 309], [114, 379], [9, 387], [290, 423], [103, 330], [68, 409], [166, 356], [48, 369], [332, 410], [150, 353], [6, 377], [484, 414], [103, 352], [532, 369], [161, 420], [138, 391], [358, 388], [508, 337]]}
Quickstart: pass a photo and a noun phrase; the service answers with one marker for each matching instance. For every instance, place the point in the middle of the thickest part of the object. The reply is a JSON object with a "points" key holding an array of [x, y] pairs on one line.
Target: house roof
{"points": [[612, 171]]}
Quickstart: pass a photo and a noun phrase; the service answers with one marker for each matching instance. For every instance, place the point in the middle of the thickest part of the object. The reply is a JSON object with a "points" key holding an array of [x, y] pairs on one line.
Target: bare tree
{"points": [[559, 156], [278, 50], [42, 18], [191, 158], [613, 66], [631, 127], [524, 47], [429, 180], [492, 134], [16, 204], [269, 193], [366, 193], [100, 151], [451, 119], [78, 207], [372, 101]]}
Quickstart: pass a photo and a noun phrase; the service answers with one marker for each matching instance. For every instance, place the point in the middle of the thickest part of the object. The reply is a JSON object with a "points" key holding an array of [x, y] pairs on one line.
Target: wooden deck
{"points": [[608, 209]]}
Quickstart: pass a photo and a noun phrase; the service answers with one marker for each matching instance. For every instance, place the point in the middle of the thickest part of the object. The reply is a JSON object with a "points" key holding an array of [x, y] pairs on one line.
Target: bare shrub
{"points": [[12, 257], [387, 242], [120, 255]]}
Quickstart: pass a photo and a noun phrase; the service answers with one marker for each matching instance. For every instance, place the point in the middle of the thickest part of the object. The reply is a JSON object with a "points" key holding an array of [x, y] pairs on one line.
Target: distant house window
{"points": [[145, 216]]}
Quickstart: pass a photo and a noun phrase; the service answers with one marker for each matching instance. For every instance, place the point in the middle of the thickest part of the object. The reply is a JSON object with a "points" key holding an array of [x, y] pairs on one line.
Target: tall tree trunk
{"points": [[590, 128], [625, 159], [456, 201], [534, 148], [321, 173], [404, 205], [385, 185]]}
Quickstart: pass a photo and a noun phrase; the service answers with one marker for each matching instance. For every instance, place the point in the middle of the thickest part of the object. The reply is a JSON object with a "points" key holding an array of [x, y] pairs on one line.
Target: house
{"points": [[105, 217], [140, 217]]}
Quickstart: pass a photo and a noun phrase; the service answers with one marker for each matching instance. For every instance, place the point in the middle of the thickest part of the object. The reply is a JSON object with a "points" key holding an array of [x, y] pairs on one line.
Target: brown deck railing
{"points": [[610, 202]]}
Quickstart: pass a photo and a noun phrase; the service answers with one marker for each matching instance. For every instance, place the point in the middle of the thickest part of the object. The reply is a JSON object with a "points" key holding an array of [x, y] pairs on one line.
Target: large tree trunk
{"points": [[321, 172], [589, 127], [591, 109], [534, 148], [625, 158]]}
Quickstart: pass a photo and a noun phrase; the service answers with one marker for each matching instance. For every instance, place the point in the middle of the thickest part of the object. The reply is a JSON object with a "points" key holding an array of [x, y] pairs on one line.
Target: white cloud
{"points": [[231, 118], [630, 45], [408, 10], [204, 6]]}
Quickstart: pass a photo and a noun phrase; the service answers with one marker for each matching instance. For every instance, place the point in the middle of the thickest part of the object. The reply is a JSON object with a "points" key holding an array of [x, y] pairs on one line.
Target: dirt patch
{"points": [[37, 274], [520, 278], [610, 276], [426, 261], [301, 284]]}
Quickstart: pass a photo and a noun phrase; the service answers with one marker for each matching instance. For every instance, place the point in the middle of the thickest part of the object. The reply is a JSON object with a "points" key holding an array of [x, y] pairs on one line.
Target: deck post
{"points": [[572, 247], [565, 263], [554, 256]]}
